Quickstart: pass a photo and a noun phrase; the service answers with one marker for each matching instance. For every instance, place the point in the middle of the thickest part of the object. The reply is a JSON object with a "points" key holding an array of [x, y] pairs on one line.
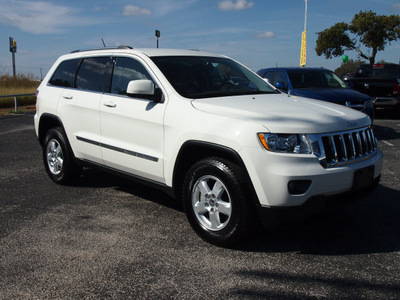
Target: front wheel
{"points": [[216, 203]]}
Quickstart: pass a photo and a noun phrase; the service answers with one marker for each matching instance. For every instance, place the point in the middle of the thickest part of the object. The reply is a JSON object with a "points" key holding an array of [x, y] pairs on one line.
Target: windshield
{"points": [[204, 77], [311, 79]]}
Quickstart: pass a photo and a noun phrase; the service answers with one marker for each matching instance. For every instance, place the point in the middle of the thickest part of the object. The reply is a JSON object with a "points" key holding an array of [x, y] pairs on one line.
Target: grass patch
{"points": [[21, 84], [25, 100]]}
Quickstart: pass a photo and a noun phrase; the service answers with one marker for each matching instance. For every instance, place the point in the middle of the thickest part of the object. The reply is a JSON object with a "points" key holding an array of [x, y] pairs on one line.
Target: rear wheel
{"points": [[216, 203], [58, 158]]}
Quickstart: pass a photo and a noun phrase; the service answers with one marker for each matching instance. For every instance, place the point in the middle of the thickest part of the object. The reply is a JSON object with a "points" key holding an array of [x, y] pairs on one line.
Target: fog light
{"points": [[298, 187]]}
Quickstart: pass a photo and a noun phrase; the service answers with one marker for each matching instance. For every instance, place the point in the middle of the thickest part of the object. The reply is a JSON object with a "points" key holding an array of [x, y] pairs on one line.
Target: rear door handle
{"points": [[68, 97]]}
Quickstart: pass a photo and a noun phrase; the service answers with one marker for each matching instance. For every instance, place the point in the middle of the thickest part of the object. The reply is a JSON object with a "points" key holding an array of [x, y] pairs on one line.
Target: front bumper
{"points": [[315, 205], [272, 173]]}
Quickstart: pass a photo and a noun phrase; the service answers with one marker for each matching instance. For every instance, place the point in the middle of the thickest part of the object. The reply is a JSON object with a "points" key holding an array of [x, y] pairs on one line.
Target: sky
{"points": [[258, 33]]}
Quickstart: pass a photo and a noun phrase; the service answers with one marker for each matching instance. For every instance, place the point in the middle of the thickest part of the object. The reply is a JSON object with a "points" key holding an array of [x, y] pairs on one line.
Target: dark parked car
{"points": [[320, 84], [381, 82]]}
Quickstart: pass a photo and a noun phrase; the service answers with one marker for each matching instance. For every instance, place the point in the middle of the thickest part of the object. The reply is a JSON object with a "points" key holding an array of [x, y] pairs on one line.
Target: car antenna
{"points": [[104, 44]]}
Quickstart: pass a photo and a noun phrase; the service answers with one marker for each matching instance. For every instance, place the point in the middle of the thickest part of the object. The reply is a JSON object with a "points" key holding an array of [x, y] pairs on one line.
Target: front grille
{"points": [[341, 148]]}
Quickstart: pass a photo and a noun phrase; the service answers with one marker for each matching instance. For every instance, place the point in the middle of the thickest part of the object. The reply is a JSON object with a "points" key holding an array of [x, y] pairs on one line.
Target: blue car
{"points": [[320, 84]]}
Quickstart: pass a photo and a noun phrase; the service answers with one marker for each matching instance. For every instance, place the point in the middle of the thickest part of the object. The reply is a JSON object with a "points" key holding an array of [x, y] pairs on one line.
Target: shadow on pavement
{"points": [[385, 133], [97, 179], [370, 224]]}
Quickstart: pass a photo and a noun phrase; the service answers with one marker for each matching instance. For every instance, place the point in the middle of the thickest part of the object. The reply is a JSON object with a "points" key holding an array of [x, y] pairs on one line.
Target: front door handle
{"points": [[68, 97], [110, 104]]}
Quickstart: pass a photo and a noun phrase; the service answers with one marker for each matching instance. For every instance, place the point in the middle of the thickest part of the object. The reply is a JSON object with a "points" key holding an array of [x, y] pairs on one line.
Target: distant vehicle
{"points": [[320, 84], [381, 82]]}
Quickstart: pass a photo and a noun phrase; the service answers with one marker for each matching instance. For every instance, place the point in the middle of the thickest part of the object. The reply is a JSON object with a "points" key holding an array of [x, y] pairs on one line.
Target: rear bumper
{"points": [[382, 102]]}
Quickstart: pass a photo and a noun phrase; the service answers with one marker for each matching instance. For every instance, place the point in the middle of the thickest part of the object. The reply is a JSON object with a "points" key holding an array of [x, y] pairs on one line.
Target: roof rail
{"points": [[105, 48]]}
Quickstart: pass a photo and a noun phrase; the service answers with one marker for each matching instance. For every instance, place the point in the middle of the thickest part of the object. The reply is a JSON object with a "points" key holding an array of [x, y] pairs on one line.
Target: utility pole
{"points": [[13, 50], [305, 16]]}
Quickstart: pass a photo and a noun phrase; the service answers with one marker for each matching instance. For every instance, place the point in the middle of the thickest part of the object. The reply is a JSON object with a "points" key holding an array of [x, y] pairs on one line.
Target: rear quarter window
{"points": [[65, 73]]}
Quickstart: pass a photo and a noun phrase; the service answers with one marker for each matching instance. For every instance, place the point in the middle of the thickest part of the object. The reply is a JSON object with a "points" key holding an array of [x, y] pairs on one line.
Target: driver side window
{"points": [[280, 77], [125, 70]]}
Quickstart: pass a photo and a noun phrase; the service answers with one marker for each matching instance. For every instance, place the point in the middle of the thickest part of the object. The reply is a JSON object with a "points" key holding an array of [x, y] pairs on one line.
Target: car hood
{"points": [[280, 113], [339, 96]]}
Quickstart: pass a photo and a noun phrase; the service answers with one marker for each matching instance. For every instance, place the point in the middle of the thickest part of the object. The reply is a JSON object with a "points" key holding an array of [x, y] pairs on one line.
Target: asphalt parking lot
{"points": [[109, 238]]}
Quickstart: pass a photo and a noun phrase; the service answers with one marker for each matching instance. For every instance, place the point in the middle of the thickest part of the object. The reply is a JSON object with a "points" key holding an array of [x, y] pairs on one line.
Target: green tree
{"points": [[348, 67], [367, 28]]}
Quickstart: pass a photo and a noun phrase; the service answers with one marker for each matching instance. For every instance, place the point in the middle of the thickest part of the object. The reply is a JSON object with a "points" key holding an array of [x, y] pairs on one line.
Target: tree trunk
{"points": [[373, 55]]}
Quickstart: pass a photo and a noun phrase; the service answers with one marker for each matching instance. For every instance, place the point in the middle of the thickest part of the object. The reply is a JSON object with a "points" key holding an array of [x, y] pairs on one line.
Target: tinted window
{"points": [[306, 79], [280, 77], [379, 70], [65, 73], [125, 70], [269, 75], [92, 74]]}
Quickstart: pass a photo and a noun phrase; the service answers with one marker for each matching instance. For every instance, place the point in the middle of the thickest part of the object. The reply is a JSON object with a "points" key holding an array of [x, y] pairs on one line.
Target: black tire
{"points": [[58, 158], [215, 202]]}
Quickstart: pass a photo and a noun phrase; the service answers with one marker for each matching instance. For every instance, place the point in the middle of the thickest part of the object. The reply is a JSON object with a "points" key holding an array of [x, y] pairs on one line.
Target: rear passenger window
{"points": [[65, 73], [92, 74], [125, 70]]}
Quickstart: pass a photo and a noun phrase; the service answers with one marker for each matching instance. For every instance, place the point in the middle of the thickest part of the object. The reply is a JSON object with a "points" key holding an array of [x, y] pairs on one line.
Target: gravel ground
{"points": [[109, 238]]}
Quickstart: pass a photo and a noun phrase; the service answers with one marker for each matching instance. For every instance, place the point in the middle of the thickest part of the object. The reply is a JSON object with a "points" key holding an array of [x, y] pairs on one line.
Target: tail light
{"points": [[36, 94], [396, 89]]}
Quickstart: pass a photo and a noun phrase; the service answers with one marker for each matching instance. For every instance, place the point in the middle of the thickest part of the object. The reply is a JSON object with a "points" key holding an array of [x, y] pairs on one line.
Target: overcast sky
{"points": [[259, 33]]}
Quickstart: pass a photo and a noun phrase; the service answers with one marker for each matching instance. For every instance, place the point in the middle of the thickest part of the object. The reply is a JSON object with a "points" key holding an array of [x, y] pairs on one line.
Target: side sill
{"points": [[138, 179]]}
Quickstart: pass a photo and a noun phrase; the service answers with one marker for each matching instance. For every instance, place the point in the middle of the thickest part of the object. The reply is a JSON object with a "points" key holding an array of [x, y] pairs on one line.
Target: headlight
{"points": [[285, 143], [369, 103]]}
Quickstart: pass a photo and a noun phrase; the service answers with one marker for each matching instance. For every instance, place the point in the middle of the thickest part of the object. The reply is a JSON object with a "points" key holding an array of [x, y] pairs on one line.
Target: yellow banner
{"points": [[303, 53]]}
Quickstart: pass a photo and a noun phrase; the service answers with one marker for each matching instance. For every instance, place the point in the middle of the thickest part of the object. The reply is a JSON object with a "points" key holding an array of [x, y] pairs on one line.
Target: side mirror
{"points": [[144, 88], [281, 86]]}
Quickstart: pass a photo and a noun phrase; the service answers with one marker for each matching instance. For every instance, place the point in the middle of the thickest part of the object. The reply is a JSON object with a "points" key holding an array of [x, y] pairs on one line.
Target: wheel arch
{"points": [[193, 151], [48, 121]]}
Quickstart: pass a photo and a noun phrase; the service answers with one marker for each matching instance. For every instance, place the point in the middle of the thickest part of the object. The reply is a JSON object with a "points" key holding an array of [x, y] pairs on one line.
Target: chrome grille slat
{"points": [[370, 141], [364, 143], [341, 148], [349, 146]]}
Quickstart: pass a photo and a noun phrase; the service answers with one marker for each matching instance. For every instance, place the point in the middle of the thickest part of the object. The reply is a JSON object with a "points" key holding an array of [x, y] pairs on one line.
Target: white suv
{"points": [[204, 127]]}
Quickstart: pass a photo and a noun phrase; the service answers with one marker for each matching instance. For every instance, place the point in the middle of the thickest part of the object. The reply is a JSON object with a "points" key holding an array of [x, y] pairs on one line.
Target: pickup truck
{"points": [[381, 82]]}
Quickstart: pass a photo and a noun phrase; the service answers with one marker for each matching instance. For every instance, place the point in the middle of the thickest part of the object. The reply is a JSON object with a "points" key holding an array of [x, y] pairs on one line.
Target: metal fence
{"points": [[15, 98]]}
